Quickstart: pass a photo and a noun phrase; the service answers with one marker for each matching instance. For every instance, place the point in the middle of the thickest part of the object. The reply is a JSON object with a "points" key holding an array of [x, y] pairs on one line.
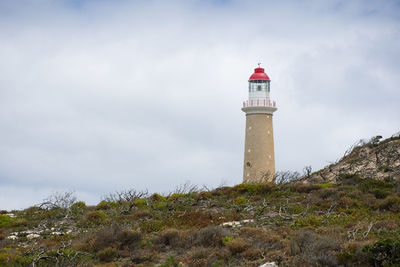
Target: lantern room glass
{"points": [[258, 85]]}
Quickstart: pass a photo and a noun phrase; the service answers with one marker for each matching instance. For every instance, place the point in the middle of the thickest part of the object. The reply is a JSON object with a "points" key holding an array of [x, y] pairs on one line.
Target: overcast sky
{"points": [[97, 96]]}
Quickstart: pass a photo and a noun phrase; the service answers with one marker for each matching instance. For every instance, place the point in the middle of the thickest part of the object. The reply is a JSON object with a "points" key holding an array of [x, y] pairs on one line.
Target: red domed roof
{"points": [[259, 74]]}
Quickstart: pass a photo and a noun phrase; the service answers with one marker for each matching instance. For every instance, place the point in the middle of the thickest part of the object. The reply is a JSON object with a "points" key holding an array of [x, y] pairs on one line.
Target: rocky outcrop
{"points": [[375, 159]]}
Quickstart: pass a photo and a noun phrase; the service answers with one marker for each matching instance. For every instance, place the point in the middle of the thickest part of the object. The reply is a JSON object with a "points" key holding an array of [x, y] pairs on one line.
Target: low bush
{"points": [[256, 188], [392, 203], [175, 196], [349, 179], [140, 202], [305, 188], [78, 207], [210, 236], [384, 252], [105, 205], [251, 254], [128, 238], [2, 235], [8, 259], [107, 254], [240, 200], [158, 197], [114, 237], [169, 237], [94, 218], [238, 245], [313, 250], [6, 221], [226, 240]]}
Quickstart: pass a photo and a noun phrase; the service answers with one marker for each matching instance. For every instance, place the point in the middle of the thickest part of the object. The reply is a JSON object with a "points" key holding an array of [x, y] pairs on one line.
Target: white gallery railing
{"points": [[259, 103]]}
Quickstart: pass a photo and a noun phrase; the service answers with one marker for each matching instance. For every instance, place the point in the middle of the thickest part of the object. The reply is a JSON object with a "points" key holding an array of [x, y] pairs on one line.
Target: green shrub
{"points": [[379, 193], [158, 197], [176, 196], [226, 240], [371, 185], [384, 252], [151, 226], [107, 254], [392, 203], [240, 200], [140, 202], [78, 207], [95, 218], [171, 262], [6, 221], [105, 205], [8, 259], [312, 220], [349, 179], [326, 185]]}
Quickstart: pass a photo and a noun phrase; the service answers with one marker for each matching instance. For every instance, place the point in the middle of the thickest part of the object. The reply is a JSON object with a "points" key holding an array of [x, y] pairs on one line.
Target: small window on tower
{"points": [[259, 88], [248, 164]]}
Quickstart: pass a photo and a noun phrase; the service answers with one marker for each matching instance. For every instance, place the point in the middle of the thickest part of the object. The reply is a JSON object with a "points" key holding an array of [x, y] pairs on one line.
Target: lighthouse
{"points": [[259, 159]]}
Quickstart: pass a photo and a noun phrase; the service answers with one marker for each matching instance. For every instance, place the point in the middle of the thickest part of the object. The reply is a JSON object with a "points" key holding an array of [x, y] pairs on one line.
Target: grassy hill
{"points": [[352, 222]]}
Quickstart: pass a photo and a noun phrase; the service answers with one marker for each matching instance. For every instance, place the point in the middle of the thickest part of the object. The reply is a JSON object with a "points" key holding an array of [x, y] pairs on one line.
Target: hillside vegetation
{"points": [[353, 222]]}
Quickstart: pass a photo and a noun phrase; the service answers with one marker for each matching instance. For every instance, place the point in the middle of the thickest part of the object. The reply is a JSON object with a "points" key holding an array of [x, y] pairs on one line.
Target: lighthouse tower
{"points": [[259, 160]]}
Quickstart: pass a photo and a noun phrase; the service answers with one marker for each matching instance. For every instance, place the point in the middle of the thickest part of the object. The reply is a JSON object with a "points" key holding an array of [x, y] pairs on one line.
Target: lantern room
{"points": [[259, 81]]}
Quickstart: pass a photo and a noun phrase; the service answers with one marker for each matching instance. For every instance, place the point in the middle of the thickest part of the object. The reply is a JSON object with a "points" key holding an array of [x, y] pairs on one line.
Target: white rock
{"points": [[57, 233], [231, 224], [269, 264], [32, 236], [13, 237], [234, 224]]}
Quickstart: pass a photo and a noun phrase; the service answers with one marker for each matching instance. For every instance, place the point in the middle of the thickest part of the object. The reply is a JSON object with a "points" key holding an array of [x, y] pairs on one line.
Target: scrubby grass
{"points": [[353, 223]]}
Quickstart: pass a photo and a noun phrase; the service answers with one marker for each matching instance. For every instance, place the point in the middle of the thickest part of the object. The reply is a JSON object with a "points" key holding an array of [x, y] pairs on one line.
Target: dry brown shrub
{"points": [[101, 239], [198, 263], [197, 219], [389, 225], [251, 231], [2, 235], [141, 214], [113, 237], [326, 193], [210, 236], [174, 238], [214, 259], [200, 253], [128, 238], [142, 256], [168, 237], [305, 188], [261, 238], [256, 198], [224, 190], [310, 249], [238, 245], [251, 254]]}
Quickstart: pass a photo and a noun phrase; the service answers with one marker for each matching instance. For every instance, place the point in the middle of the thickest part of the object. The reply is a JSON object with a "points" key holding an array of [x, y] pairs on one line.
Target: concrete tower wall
{"points": [[259, 160]]}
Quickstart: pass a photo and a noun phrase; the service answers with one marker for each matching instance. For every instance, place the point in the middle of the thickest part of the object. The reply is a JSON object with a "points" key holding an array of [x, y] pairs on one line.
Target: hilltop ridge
{"points": [[373, 158]]}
